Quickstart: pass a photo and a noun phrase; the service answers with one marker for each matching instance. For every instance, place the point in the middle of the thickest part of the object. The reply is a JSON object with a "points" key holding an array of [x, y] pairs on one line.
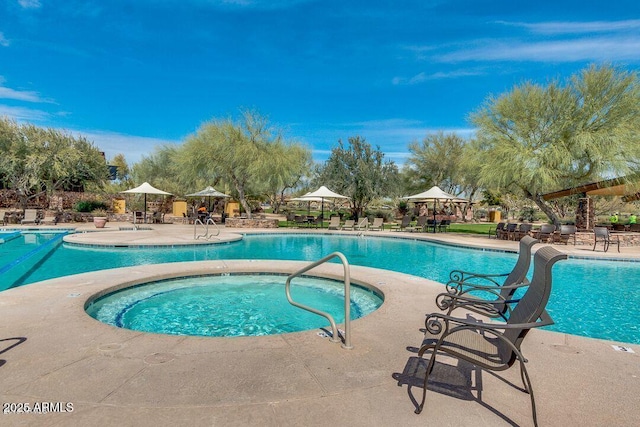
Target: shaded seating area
{"points": [[493, 346], [601, 234]]}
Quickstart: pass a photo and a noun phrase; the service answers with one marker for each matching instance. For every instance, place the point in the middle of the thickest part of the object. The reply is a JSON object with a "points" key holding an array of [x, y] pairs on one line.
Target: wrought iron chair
{"points": [[484, 293], [494, 346]]}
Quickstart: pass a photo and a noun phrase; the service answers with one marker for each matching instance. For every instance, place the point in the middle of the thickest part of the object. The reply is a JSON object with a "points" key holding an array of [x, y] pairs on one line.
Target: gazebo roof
{"points": [[626, 186]]}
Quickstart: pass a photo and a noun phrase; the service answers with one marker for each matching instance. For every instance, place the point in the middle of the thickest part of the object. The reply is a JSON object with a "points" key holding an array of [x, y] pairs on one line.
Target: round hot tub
{"points": [[229, 305]]}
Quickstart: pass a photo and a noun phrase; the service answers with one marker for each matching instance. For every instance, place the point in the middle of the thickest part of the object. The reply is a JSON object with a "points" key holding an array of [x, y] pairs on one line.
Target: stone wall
{"points": [[251, 223], [585, 238]]}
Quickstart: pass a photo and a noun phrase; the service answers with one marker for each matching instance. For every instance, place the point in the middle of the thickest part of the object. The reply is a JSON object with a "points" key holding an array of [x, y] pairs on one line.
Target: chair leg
{"points": [[430, 366], [527, 385]]}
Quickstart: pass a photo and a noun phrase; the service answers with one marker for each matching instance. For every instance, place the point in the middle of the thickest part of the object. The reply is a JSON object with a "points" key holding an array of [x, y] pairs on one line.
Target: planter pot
{"points": [[99, 221]]}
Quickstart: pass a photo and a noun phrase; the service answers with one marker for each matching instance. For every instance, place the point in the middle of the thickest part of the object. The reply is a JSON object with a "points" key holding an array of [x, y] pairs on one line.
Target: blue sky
{"points": [[130, 75]]}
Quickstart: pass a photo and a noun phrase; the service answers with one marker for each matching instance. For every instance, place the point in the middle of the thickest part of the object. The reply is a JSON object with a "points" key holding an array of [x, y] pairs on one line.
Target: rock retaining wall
{"points": [[251, 223]]}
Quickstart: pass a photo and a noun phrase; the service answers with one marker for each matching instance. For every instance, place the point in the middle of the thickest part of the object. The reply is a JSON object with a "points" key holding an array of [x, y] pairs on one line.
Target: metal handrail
{"points": [[347, 298], [206, 223]]}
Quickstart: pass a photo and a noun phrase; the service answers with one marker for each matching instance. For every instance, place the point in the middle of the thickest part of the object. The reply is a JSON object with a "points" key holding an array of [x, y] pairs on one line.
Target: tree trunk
{"points": [[545, 208], [240, 188]]}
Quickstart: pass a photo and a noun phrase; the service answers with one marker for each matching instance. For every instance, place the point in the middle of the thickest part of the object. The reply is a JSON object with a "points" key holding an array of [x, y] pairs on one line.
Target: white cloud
{"points": [[3, 40], [23, 114], [21, 95], [577, 27], [30, 4], [592, 49], [440, 75]]}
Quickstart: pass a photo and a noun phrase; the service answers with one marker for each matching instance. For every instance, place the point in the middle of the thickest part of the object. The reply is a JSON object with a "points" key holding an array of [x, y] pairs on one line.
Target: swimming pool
{"points": [[230, 305], [590, 298]]}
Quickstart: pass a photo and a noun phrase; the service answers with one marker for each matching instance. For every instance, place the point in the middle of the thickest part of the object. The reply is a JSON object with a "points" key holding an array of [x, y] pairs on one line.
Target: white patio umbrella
{"points": [[436, 194], [323, 193], [146, 188], [306, 198], [208, 192]]}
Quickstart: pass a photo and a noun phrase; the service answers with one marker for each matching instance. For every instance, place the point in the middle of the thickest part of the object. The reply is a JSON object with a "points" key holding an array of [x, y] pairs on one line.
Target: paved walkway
{"points": [[51, 351]]}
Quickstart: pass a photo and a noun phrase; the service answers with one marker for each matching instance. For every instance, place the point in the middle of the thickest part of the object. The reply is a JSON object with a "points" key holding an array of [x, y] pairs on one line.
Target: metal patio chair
{"points": [[494, 346], [601, 234], [486, 294]]}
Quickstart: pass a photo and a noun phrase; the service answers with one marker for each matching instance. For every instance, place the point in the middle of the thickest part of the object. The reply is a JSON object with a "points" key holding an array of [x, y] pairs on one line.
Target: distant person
{"points": [[613, 219], [423, 210], [632, 219]]}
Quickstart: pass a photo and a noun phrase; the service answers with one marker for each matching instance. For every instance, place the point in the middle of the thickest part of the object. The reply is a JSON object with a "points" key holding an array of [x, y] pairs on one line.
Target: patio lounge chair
{"points": [[334, 223], [601, 234], [420, 225], [566, 232], [378, 224], [463, 287], [494, 346], [349, 224], [406, 221], [30, 216], [431, 224], [444, 225], [523, 230], [499, 229], [4, 216], [545, 233], [507, 231], [49, 219], [317, 221]]}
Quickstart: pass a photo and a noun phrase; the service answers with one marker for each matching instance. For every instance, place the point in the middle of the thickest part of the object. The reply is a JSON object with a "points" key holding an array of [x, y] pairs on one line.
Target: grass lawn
{"points": [[471, 228], [462, 227]]}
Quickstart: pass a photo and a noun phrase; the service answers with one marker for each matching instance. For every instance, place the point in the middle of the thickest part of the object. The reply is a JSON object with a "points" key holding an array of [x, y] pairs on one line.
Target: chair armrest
{"points": [[492, 308], [462, 276], [434, 326]]}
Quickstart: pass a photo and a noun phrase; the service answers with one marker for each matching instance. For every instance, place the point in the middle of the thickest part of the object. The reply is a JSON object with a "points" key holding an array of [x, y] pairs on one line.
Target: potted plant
{"points": [[99, 218]]}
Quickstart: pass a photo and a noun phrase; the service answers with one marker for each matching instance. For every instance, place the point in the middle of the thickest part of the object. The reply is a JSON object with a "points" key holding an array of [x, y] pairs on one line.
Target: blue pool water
{"points": [[591, 298], [229, 305]]}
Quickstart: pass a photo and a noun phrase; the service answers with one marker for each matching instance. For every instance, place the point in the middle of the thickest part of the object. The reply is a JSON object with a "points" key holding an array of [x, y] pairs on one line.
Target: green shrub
{"points": [[89, 206]]}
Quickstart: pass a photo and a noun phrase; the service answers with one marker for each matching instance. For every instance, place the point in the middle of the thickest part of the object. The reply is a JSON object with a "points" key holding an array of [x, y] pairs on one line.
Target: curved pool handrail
{"points": [[206, 235], [347, 298]]}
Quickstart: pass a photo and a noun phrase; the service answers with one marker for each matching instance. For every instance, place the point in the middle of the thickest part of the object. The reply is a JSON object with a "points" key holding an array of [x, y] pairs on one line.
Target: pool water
{"points": [[230, 305], [599, 299]]}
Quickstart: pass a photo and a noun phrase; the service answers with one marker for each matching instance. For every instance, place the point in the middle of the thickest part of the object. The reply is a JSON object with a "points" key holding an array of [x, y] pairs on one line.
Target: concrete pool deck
{"points": [[51, 351]]}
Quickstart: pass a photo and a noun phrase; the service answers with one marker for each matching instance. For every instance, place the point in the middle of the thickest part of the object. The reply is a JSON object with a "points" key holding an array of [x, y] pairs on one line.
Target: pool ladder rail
{"points": [[335, 337], [205, 226]]}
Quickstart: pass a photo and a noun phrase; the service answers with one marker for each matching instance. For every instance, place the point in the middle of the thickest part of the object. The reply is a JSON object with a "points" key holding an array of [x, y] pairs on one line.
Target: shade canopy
{"points": [[146, 188], [321, 193], [306, 198], [325, 193], [435, 193], [208, 192]]}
